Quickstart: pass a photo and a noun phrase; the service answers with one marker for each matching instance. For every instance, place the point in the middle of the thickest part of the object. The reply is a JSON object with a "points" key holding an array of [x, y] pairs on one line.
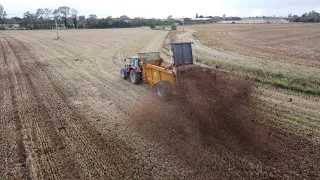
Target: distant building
{"points": [[178, 19], [200, 19], [193, 19]]}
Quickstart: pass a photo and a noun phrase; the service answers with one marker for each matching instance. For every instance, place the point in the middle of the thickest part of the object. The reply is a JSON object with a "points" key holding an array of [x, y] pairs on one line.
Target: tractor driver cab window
{"points": [[132, 60], [136, 62]]}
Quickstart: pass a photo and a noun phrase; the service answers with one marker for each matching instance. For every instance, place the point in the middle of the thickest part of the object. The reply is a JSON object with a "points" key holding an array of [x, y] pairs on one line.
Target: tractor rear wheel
{"points": [[135, 77], [123, 73], [164, 90]]}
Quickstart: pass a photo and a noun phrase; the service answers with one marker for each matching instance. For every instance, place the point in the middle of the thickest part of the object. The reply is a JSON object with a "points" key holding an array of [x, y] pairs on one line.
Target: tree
{"points": [[124, 17], [93, 16], [28, 20], [46, 18], [82, 22], [314, 15], [197, 16], [187, 20], [82, 19], [39, 19], [74, 15], [47, 14], [170, 19], [16, 20], [63, 12], [92, 20], [290, 17], [39, 14], [201, 16], [3, 14], [224, 16], [304, 15]]}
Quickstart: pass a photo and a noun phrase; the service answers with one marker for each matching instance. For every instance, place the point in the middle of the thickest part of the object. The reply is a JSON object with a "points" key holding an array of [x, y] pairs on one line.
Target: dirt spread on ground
{"points": [[213, 111]]}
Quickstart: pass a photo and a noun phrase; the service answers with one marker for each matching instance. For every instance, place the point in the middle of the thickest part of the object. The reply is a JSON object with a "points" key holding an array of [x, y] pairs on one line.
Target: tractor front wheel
{"points": [[164, 90], [123, 73], [135, 77]]}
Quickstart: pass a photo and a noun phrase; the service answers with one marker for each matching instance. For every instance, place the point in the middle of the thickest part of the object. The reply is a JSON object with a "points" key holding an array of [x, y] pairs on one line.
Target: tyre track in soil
{"points": [[148, 44], [90, 76], [43, 136], [292, 56], [92, 138], [120, 53], [43, 111], [17, 120], [8, 146], [269, 46], [8, 165], [70, 66]]}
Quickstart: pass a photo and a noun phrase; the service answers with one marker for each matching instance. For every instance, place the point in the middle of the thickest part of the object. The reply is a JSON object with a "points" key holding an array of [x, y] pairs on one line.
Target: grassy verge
{"points": [[303, 84]]}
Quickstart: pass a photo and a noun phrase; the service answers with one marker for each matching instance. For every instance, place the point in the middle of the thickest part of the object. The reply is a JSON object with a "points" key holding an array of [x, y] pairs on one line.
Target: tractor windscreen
{"points": [[182, 53], [136, 62]]}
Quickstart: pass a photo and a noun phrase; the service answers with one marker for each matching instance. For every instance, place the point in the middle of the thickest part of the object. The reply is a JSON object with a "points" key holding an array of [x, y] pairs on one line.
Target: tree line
{"points": [[66, 17], [3, 15], [311, 16]]}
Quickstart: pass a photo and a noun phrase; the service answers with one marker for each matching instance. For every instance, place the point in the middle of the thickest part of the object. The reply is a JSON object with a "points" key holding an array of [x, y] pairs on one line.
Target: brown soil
{"points": [[214, 116], [66, 114], [290, 43]]}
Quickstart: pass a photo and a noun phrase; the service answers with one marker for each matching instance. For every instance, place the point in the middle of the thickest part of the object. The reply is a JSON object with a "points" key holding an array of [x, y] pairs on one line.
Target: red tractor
{"points": [[133, 70]]}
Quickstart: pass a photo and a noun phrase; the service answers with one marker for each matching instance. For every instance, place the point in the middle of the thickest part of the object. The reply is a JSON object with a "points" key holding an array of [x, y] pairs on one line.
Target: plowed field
{"points": [[66, 114], [290, 43]]}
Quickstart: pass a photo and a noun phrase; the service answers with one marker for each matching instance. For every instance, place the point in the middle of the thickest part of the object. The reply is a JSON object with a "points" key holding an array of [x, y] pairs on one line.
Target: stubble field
{"points": [[66, 114], [292, 43], [284, 55]]}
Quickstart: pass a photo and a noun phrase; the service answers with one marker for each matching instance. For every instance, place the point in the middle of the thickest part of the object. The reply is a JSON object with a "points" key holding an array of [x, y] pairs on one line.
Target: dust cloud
{"points": [[210, 109], [208, 105], [214, 124]]}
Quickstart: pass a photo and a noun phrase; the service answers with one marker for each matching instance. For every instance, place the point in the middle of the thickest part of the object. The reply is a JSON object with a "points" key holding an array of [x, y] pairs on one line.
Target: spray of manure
{"points": [[211, 108]]}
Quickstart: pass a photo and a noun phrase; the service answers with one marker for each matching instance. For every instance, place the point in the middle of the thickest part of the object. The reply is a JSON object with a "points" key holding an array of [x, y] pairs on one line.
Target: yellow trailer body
{"points": [[153, 74], [152, 71]]}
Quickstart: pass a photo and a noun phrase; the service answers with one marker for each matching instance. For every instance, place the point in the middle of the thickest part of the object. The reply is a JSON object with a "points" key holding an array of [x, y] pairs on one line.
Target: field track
{"points": [[66, 114]]}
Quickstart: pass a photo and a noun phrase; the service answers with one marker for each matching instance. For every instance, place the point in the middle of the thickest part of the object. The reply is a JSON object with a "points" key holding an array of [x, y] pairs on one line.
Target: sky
{"points": [[164, 8]]}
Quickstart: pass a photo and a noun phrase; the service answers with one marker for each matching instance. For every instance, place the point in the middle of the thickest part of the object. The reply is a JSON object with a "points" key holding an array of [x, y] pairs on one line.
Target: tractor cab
{"points": [[134, 61]]}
